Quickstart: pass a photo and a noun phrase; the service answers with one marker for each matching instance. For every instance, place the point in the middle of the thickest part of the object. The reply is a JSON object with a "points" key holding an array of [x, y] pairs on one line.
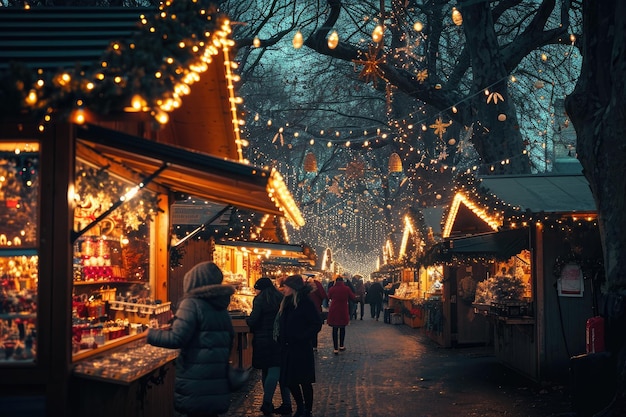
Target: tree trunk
{"points": [[596, 108], [497, 136]]}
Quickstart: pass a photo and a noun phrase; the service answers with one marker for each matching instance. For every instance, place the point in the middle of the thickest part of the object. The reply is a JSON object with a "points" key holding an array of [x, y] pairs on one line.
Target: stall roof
{"points": [[543, 193], [47, 42], [498, 245], [194, 173], [493, 201]]}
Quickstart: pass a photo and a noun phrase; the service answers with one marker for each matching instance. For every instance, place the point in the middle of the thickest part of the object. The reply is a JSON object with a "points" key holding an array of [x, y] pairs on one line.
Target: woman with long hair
{"points": [[297, 323], [265, 350]]}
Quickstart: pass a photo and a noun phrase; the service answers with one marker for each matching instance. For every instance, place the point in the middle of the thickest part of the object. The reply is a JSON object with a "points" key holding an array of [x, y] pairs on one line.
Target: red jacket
{"points": [[339, 294]]}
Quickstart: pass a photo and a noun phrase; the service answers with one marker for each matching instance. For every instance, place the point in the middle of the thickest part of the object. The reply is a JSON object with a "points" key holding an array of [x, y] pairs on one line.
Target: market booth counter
{"points": [[129, 379], [407, 305]]}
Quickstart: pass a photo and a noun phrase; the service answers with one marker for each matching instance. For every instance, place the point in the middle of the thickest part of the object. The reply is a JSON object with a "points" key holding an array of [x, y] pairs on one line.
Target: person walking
{"points": [[319, 296], [338, 312], [359, 291], [375, 297], [352, 304], [265, 350], [297, 323], [203, 331]]}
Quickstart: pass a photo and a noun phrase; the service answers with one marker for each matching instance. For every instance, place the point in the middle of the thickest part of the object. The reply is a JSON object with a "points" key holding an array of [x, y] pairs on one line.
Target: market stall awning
{"points": [[276, 253], [194, 173], [503, 244], [497, 245]]}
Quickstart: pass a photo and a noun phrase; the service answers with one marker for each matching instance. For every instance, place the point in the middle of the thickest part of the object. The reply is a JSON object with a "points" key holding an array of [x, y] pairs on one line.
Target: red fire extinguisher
{"points": [[594, 329], [594, 334]]}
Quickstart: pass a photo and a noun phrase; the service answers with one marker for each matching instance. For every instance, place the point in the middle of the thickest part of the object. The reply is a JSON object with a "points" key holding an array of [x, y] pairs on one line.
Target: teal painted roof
{"points": [[51, 38]]}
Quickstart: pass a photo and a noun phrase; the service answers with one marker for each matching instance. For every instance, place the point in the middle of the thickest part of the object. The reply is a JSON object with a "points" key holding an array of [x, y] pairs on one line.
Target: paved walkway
{"points": [[396, 371]]}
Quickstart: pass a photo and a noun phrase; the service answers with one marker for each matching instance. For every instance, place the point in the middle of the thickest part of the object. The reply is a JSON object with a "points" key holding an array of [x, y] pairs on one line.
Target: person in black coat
{"points": [[203, 331], [265, 350], [298, 322], [375, 296]]}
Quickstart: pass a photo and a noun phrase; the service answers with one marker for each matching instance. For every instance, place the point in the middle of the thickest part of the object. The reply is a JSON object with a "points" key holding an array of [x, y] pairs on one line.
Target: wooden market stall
{"points": [[524, 253], [102, 132]]}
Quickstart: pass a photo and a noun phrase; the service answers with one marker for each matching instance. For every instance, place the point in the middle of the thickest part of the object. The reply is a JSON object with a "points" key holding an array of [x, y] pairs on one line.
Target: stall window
{"points": [[19, 250], [113, 281]]}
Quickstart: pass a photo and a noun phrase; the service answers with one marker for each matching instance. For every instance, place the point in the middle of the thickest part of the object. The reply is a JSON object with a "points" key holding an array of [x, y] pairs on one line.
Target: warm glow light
{"points": [[459, 198], [333, 40], [297, 40], [457, 18], [377, 34]]}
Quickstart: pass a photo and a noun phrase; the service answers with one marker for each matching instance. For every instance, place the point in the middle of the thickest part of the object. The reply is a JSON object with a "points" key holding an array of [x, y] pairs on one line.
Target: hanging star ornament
{"points": [[422, 76], [495, 97], [439, 127], [371, 66]]}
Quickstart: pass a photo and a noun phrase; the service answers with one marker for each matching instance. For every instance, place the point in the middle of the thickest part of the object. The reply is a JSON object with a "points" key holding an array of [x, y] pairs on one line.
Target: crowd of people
{"points": [[286, 318]]}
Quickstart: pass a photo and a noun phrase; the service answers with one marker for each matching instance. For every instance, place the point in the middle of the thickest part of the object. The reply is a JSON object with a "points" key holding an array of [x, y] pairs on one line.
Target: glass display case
{"points": [[19, 250]]}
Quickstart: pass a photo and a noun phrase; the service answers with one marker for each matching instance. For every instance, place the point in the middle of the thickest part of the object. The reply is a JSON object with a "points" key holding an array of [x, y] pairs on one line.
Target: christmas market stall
{"points": [[407, 301], [118, 125], [524, 253]]}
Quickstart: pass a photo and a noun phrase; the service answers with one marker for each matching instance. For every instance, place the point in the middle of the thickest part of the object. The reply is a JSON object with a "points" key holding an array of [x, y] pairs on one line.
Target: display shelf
{"points": [[126, 364], [13, 316], [18, 251], [104, 282]]}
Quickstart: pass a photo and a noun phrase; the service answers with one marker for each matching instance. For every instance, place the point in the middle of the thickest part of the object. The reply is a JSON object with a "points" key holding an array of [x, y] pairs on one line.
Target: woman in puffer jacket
{"points": [[202, 329]]}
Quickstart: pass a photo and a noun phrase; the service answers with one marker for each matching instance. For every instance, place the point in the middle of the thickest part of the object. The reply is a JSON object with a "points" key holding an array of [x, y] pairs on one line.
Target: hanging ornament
{"points": [[279, 135], [439, 127], [371, 66], [256, 42], [395, 163], [310, 162], [418, 26], [457, 18], [333, 40], [297, 40], [355, 170], [377, 34], [495, 97], [422, 75]]}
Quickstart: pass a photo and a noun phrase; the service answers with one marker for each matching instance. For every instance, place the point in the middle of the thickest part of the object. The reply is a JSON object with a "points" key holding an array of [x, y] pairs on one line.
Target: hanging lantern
{"points": [[377, 34], [333, 40], [395, 163], [457, 18], [297, 40], [310, 163]]}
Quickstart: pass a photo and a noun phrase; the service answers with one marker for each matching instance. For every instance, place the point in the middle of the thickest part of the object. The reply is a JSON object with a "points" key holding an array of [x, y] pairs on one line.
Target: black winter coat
{"points": [[203, 331], [297, 328], [265, 350]]}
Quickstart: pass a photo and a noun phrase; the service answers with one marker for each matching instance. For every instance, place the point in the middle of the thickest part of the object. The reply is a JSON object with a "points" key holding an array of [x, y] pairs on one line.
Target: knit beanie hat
{"points": [[204, 273], [263, 283], [294, 281]]}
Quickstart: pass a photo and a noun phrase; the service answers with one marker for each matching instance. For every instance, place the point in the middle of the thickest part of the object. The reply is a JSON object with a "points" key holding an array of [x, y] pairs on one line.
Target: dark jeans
{"points": [[339, 336], [376, 308]]}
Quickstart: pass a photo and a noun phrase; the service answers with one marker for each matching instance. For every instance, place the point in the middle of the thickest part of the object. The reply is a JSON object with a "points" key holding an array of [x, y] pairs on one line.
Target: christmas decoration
{"points": [[371, 71], [439, 127]]}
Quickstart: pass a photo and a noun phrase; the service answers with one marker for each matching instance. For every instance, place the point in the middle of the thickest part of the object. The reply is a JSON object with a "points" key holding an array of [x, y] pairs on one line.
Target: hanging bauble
{"points": [[310, 162], [457, 18], [395, 163], [333, 40], [355, 170], [297, 40]]}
